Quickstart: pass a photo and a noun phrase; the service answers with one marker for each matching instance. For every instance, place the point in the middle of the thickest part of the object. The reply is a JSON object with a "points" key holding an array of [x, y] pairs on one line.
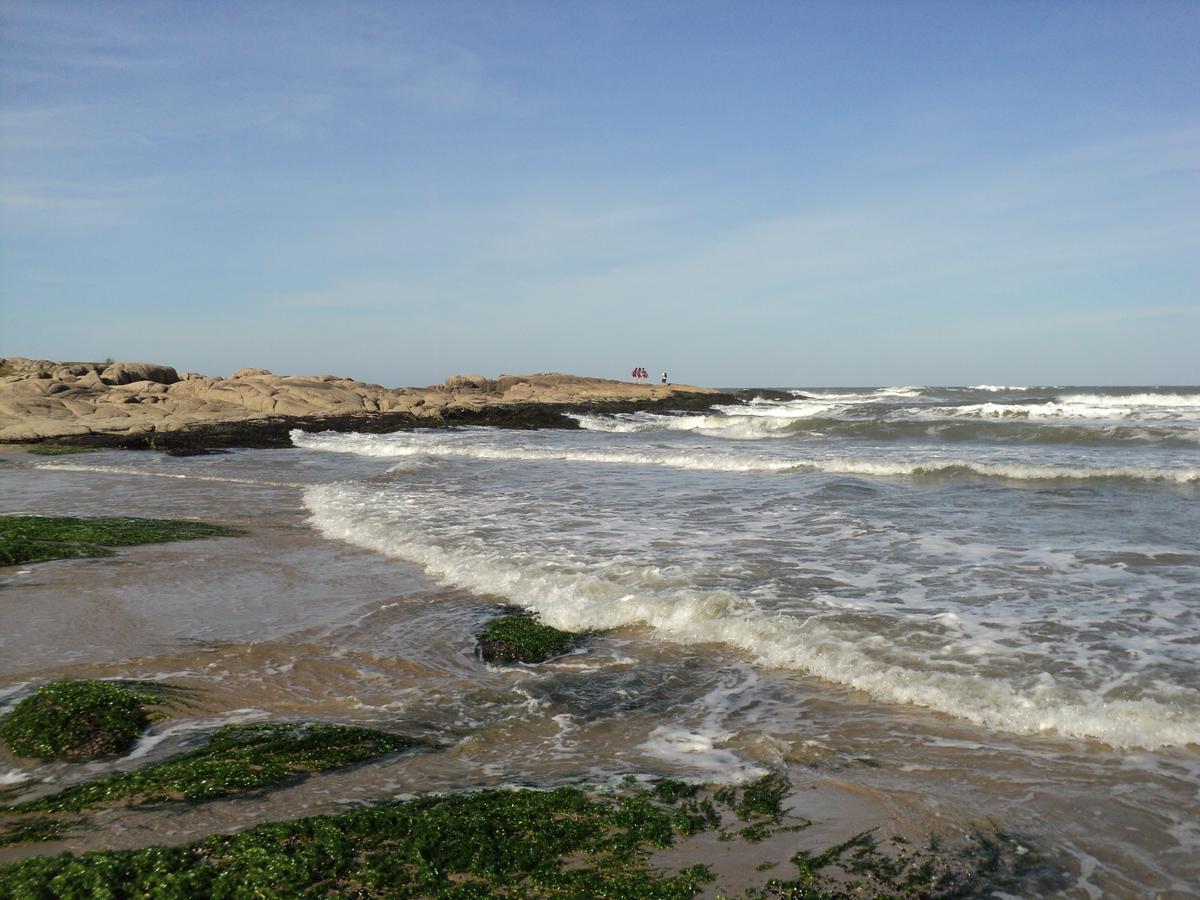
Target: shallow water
{"points": [[983, 602]]}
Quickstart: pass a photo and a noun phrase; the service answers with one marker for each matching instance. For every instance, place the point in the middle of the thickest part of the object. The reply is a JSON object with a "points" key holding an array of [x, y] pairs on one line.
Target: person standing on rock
{"points": [[637, 375], [664, 378]]}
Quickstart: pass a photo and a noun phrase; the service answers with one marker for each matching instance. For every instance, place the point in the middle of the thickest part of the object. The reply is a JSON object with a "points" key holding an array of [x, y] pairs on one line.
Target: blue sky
{"points": [[742, 193]]}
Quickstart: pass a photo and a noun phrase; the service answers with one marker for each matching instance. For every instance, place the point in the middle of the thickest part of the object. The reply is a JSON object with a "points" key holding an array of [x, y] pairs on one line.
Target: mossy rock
{"points": [[522, 638], [563, 843], [56, 450], [40, 538], [236, 759], [76, 720]]}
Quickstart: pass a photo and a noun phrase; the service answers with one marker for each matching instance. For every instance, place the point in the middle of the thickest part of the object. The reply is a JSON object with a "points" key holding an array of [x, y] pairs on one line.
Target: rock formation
{"points": [[43, 400]]}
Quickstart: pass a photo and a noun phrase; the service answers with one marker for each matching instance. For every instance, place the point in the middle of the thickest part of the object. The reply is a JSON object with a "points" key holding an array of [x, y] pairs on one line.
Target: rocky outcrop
{"points": [[128, 373], [148, 404]]}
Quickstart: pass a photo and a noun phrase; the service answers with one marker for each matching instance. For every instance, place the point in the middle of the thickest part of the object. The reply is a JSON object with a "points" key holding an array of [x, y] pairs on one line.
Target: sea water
{"points": [[991, 594]]}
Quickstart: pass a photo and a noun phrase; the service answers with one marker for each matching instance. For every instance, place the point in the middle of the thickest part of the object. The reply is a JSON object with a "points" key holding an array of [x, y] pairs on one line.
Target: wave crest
{"points": [[391, 446], [600, 596]]}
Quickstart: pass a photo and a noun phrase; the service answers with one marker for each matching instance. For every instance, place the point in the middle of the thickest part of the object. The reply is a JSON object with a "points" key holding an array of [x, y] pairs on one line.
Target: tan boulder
{"points": [[470, 383], [126, 372], [522, 390], [145, 387]]}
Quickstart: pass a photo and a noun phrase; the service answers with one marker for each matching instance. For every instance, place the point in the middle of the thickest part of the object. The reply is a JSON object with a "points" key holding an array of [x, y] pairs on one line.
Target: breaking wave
{"points": [[581, 595], [407, 446], [1010, 429], [1151, 399]]}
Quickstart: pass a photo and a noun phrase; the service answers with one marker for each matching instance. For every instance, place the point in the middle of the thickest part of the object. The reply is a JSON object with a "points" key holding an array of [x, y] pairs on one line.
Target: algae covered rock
{"points": [[41, 538], [75, 720], [522, 638], [57, 450], [236, 759]]}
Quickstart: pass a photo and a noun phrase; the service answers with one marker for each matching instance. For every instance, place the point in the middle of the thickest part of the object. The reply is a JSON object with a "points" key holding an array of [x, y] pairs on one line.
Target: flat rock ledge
{"points": [[138, 405]]}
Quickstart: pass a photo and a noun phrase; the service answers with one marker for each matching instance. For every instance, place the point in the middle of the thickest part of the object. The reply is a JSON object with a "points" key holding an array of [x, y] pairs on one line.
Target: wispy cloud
{"points": [[255, 70], [46, 204]]}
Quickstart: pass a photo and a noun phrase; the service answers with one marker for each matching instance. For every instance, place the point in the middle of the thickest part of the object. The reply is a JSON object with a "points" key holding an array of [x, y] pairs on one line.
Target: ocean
{"points": [[972, 603]]}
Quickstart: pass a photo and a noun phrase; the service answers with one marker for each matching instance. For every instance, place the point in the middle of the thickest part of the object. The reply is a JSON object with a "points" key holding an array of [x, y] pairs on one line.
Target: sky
{"points": [[741, 193]]}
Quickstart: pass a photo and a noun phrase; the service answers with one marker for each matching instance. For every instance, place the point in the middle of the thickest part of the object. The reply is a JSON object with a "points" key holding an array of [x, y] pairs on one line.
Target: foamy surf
{"points": [[605, 594], [399, 446], [181, 476]]}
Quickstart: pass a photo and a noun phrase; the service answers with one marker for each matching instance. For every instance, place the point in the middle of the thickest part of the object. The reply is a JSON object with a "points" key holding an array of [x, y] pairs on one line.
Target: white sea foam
{"points": [[183, 476], [599, 595], [752, 426], [995, 388], [402, 446], [873, 395], [1151, 399], [1094, 408], [795, 409], [148, 742], [700, 752]]}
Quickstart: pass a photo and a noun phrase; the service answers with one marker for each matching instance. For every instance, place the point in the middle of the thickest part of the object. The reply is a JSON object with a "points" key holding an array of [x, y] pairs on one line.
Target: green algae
{"points": [[760, 804], [41, 538], [522, 638], [762, 797], [563, 842], [236, 759], [77, 720], [985, 862], [39, 829]]}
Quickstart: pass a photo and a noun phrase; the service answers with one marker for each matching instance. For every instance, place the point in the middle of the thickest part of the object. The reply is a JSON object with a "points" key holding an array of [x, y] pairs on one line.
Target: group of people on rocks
{"points": [[641, 376]]}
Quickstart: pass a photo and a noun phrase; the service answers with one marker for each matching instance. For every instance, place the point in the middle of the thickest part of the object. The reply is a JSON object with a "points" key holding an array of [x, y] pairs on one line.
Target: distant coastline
{"points": [[138, 405]]}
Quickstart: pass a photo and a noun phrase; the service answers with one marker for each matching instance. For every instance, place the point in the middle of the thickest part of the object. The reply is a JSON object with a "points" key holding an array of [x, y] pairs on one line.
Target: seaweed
{"points": [[568, 841], [56, 450], [41, 538], [236, 759], [760, 804], [986, 861], [42, 828], [562, 842], [522, 638], [77, 720]]}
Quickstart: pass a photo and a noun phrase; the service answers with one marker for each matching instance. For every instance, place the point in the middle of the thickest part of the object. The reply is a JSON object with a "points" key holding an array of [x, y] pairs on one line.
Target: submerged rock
{"points": [[522, 638], [236, 759], [25, 539]]}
